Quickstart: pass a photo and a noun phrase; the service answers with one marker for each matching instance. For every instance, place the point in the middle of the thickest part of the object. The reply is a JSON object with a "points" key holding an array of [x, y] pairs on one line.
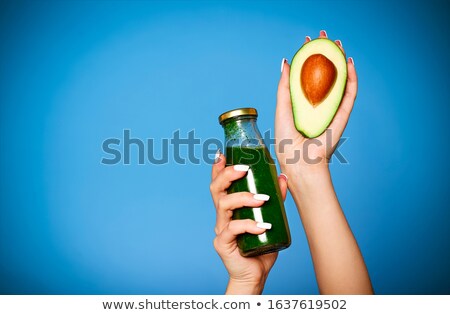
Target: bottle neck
{"points": [[242, 131]]}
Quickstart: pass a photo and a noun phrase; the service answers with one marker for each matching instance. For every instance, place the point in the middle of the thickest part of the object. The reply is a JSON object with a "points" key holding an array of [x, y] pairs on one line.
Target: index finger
{"points": [[219, 164], [226, 177]]}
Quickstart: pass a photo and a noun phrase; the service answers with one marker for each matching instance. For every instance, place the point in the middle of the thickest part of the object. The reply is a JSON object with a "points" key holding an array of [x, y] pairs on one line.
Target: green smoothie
{"points": [[244, 145], [261, 179]]}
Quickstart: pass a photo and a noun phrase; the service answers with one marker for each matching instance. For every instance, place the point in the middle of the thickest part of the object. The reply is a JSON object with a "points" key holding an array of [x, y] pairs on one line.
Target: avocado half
{"points": [[317, 84]]}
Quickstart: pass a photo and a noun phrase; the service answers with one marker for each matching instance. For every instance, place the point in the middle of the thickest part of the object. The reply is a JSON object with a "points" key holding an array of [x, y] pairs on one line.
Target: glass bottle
{"points": [[244, 145]]}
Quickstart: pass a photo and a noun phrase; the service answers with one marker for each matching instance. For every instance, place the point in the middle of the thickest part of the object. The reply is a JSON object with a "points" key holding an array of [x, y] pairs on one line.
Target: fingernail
{"points": [[217, 156], [283, 61], [351, 61], [323, 33], [285, 176], [261, 197], [241, 168], [264, 225], [339, 42], [308, 38]]}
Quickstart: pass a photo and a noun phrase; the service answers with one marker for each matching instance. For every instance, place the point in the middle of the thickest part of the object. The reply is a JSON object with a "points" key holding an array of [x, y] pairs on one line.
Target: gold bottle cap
{"points": [[248, 111]]}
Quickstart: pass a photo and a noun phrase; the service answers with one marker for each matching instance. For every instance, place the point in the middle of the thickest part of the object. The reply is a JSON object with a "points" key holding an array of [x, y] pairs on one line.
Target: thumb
{"points": [[282, 182], [284, 119]]}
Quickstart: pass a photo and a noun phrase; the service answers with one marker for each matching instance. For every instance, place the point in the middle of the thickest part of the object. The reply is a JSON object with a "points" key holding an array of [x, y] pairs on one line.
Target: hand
{"points": [[317, 149], [247, 274], [338, 262]]}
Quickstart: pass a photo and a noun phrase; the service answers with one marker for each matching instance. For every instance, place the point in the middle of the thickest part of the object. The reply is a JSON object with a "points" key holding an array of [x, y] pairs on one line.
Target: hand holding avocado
{"points": [[322, 87], [338, 262]]}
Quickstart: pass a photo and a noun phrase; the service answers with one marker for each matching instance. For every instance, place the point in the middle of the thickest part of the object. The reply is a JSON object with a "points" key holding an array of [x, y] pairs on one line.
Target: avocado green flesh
{"points": [[310, 120]]}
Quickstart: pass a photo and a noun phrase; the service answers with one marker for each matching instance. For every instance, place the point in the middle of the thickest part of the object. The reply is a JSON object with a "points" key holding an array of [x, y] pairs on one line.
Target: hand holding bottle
{"points": [[247, 274]]}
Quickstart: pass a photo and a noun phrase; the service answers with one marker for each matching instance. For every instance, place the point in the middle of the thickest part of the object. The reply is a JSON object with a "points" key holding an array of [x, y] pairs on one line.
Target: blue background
{"points": [[75, 73]]}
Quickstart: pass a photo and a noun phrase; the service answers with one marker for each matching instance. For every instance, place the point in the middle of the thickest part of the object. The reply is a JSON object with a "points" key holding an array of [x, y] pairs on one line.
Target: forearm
{"points": [[338, 263]]}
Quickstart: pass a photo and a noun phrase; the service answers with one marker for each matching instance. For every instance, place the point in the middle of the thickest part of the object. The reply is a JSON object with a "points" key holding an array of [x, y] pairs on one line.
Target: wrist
{"points": [[237, 286], [306, 173], [307, 184]]}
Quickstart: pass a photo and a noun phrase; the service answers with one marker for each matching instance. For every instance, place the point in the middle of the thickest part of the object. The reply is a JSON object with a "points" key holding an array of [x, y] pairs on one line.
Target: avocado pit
{"points": [[317, 78]]}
